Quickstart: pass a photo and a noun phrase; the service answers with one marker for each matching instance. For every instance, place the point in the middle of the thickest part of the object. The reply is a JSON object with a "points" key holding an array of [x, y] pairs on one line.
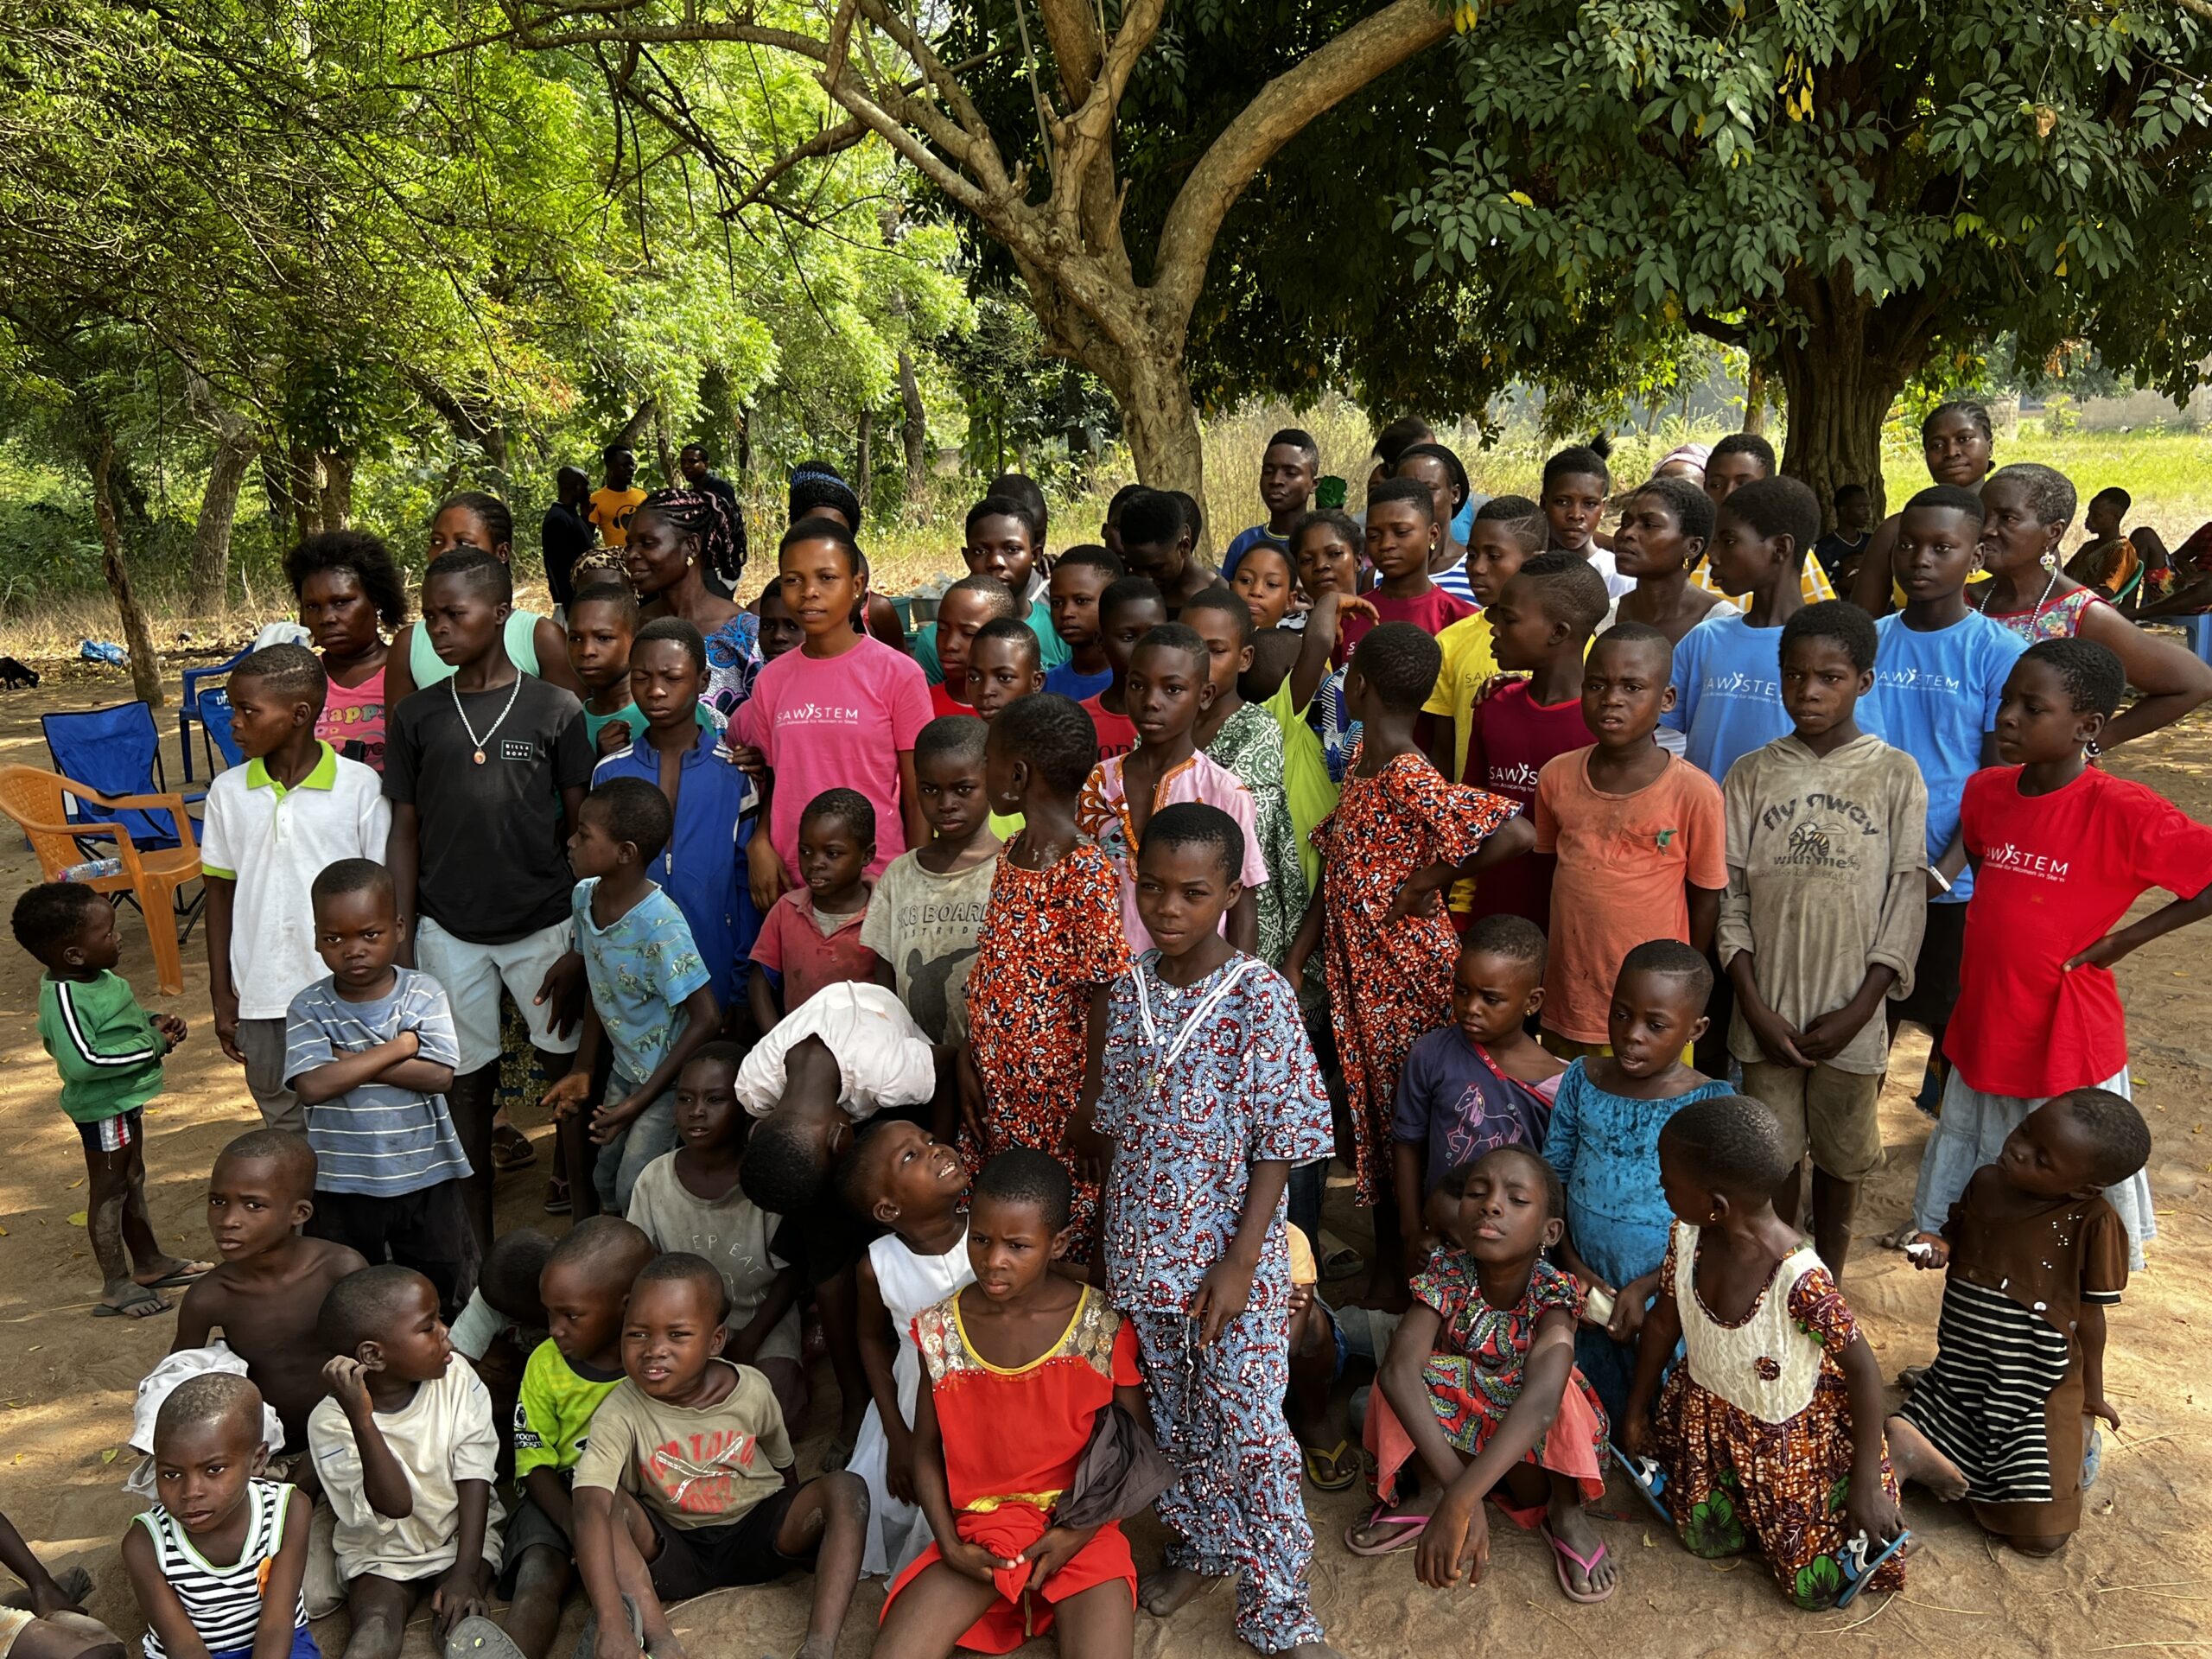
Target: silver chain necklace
{"points": [[453, 685]]}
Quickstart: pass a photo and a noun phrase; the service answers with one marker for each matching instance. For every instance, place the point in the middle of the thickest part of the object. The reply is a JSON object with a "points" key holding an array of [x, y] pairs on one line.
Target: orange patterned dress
{"points": [[1049, 939], [1012, 1441], [1390, 982]]}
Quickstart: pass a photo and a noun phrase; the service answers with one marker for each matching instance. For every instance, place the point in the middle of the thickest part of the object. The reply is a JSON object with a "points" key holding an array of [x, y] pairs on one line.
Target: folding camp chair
{"points": [[191, 708], [116, 752], [215, 721], [61, 816]]}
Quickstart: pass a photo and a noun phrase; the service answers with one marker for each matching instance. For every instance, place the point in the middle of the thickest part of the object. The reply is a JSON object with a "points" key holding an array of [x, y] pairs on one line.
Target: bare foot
{"points": [[817, 1647], [1571, 1526], [1915, 1457], [1161, 1592]]}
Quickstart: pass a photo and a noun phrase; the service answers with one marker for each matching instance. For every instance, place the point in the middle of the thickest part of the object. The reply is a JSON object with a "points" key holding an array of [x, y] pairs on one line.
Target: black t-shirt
{"points": [[565, 537], [491, 862]]}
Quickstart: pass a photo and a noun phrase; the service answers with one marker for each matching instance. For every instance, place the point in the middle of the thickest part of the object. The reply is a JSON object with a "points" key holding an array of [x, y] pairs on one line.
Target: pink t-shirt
{"points": [[354, 714], [836, 722], [1101, 812], [1431, 613]]}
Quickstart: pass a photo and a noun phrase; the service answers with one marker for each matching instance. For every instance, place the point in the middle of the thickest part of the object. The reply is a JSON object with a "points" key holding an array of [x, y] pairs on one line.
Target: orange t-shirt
{"points": [[1625, 864]]}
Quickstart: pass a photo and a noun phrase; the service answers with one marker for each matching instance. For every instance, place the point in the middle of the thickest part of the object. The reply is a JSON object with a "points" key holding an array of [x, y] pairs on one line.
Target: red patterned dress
{"points": [[1475, 1378], [1390, 982], [1012, 1441], [1049, 938]]}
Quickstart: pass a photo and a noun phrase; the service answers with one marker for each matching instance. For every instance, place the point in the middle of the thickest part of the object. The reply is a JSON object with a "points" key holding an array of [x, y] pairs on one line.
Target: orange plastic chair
{"points": [[36, 801]]}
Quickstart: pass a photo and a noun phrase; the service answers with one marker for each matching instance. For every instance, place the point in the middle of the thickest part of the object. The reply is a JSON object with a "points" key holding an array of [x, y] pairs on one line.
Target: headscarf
{"points": [[1696, 454]]}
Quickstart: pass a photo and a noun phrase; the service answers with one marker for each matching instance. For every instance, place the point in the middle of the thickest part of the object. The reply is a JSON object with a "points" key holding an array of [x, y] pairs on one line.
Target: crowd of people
{"points": [[977, 1016]]}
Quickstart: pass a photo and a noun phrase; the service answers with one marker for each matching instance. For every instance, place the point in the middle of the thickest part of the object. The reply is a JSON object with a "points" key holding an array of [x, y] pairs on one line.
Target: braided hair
{"points": [[703, 514]]}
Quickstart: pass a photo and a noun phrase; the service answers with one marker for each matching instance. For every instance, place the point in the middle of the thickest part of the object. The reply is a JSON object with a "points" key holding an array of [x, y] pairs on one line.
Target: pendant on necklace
{"points": [[480, 757]]}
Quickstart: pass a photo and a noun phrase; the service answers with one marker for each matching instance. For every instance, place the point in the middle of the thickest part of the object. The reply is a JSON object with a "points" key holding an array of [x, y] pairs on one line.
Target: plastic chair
{"points": [[117, 753], [191, 708], [2200, 634], [215, 722], [42, 806]]}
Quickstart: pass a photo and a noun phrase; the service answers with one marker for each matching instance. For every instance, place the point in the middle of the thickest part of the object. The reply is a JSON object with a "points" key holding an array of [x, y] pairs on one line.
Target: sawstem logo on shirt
{"points": [[1736, 683], [818, 714], [1517, 780], [1920, 679], [2021, 861]]}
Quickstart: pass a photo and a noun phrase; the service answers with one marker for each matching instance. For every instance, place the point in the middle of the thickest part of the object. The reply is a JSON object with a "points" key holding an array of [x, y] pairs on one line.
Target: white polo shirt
{"points": [[273, 841]]}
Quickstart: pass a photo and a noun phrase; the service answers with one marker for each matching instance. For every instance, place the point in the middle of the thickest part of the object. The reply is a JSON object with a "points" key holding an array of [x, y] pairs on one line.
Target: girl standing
{"points": [[534, 644], [348, 591], [677, 539]]}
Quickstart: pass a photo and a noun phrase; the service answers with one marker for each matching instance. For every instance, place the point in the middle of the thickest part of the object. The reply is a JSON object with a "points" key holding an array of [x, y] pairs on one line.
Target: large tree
{"points": [[1846, 188], [1015, 115]]}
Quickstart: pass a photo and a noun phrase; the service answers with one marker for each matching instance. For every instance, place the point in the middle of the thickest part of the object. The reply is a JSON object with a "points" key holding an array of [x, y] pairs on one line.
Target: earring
{"points": [[2050, 558], [689, 562]]}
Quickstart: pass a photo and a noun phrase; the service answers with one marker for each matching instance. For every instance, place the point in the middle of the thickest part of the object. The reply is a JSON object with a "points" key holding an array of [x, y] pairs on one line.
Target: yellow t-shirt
{"points": [[611, 510], [1469, 663], [1812, 582]]}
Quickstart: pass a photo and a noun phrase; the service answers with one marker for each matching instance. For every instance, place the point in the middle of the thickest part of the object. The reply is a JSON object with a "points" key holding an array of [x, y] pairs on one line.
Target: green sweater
{"points": [[103, 1043]]}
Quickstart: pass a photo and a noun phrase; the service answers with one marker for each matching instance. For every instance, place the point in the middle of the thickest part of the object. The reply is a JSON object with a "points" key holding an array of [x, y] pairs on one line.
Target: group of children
{"points": [[981, 1007]]}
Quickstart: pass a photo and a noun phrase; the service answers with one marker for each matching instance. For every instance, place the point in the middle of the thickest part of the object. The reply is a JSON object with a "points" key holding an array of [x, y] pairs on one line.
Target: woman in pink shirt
{"points": [[349, 591], [841, 712]]}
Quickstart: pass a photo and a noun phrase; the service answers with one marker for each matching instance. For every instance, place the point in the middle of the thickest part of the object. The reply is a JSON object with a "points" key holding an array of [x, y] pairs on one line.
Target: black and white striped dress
{"points": [[224, 1602], [2003, 1398]]}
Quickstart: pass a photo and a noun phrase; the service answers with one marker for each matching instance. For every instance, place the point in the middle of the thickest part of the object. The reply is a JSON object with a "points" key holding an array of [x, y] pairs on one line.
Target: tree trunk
{"points": [[914, 431], [666, 455], [1161, 421], [864, 462], [1756, 395], [745, 440], [278, 497], [218, 512], [335, 494], [303, 483], [138, 639], [1836, 397], [627, 437]]}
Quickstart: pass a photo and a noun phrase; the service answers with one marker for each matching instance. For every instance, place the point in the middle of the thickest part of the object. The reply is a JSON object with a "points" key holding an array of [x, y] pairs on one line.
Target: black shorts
{"points": [[530, 1527], [696, 1560], [1936, 971], [427, 1231], [117, 1134]]}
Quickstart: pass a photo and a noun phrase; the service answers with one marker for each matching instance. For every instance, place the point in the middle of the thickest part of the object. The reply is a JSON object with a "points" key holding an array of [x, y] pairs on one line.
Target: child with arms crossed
{"points": [[370, 1051], [2062, 849], [687, 1483], [217, 1564], [1206, 1091], [2005, 1417], [406, 1452], [1771, 1429], [1480, 1384], [1021, 1363]]}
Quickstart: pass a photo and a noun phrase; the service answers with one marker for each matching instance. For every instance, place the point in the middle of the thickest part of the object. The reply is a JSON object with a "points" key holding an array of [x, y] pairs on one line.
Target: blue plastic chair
{"points": [[191, 709], [2200, 634], [116, 751], [215, 720]]}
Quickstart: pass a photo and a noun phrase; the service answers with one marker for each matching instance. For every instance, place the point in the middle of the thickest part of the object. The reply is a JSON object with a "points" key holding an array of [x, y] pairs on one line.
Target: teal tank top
{"points": [[426, 667]]}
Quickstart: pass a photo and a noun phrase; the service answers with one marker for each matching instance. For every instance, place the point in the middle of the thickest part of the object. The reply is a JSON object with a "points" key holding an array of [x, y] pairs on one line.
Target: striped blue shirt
{"points": [[380, 1140]]}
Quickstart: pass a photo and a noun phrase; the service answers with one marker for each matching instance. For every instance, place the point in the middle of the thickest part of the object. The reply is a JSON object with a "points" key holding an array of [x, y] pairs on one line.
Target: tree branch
{"points": [[1282, 110]]}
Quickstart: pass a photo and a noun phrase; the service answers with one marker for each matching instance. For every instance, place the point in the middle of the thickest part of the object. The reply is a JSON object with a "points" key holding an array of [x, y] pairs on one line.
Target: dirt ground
{"points": [[2133, 1580]]}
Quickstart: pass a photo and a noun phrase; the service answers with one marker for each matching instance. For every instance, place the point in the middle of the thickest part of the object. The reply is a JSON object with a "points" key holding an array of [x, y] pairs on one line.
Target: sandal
{"points": [[1647, 1478], [1563, 1553], [1343, 1262], [510, 1149], [557, 1202], [1859, 1568], [478, 1638], [587, 1638], [1382, 1516], [1331, 1471], [139, 1304]]}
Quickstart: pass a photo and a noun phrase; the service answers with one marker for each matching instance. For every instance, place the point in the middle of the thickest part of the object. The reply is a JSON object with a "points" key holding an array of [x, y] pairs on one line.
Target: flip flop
{"points": [[1859, 1568], [557, 1201], [1381, 1515], [1562, 1553], [1649, 1479], [183, 1275], [143, 1305], [510, 1149], [1327, 1470], [1343, 1262], [478, 1638], [74, 1585], [587, 1638]]}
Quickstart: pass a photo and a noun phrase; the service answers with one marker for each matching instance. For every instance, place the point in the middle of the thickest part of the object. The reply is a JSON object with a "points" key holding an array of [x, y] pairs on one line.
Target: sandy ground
{"points": [[2137, 1578]]}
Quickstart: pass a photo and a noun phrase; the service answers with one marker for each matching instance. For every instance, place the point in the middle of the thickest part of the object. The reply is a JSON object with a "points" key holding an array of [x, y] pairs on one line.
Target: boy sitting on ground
{"points": [[653, 1528], [267, 1291], [108, 1052], [406, 1450]]}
